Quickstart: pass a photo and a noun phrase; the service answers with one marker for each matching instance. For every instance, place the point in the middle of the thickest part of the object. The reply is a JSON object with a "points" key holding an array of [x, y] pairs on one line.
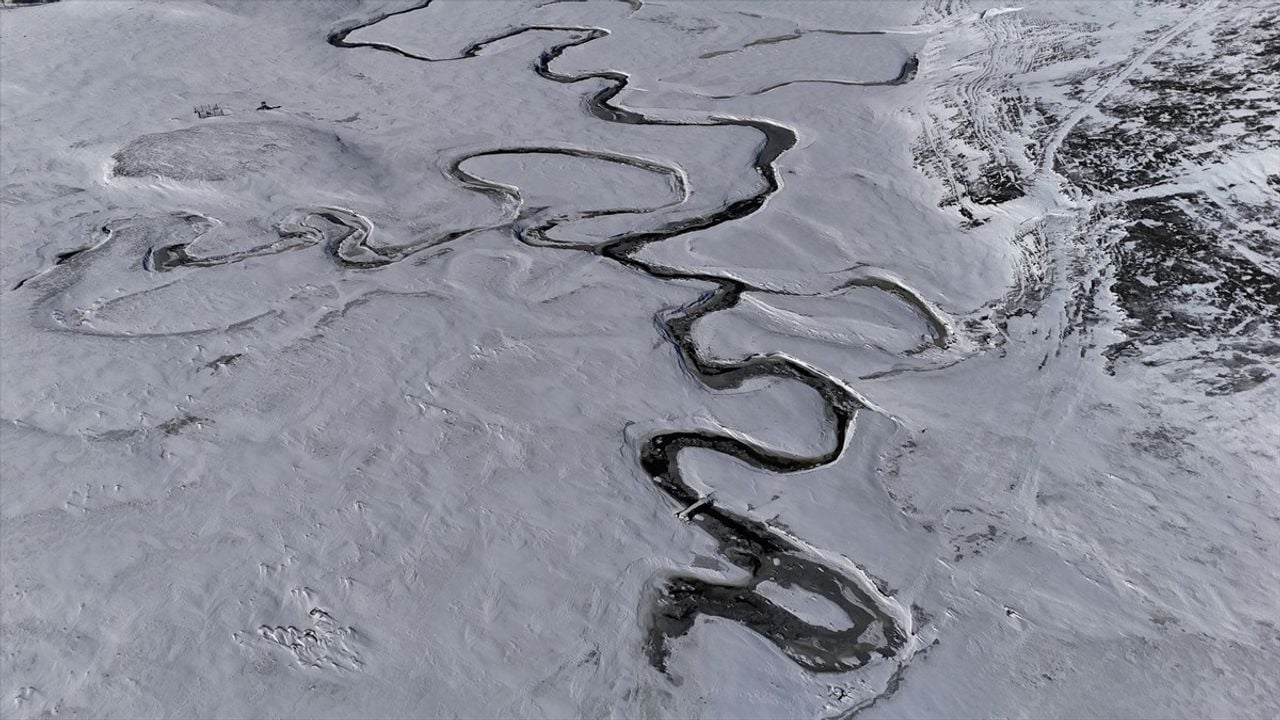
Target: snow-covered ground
{"points": [[639, 359]]}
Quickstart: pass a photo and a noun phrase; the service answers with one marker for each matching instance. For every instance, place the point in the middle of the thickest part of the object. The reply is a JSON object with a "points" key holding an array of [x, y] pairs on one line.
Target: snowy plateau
{"points": [[640, 359]]}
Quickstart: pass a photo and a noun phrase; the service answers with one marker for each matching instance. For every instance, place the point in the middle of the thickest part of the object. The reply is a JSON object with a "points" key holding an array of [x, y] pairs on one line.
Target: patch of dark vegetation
{"points": [[223, 361], [996, 183], [207, 111], [1193, 270], [178, 424], [1176, 279], [1177, 113], [1180, 277]]}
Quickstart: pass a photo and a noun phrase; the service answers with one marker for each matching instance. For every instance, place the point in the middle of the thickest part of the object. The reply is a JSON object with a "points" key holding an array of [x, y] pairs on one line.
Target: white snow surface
{"points": [[289, 487]]}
